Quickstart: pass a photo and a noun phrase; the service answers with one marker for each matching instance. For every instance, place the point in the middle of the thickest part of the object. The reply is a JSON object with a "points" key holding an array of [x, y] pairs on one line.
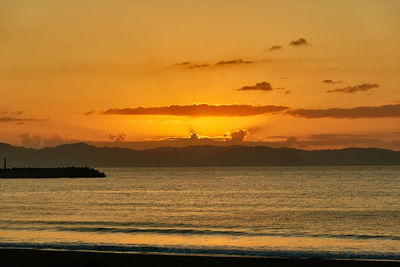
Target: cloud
{"points": [[353, 89], [37, 141], [198, 110], [234, 62], [12, 113], [385, 111], [11, 119], [262, 86], [91, 112], [196, 66], [185, 63], [238, 135], [192, 65], [299, 42], [31, 142], [121, 137], [275, 48], [331, 81]]}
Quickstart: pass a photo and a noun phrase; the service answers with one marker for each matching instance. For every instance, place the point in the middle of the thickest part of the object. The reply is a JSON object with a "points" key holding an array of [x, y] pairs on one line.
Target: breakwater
{"points": [[67, 172]]}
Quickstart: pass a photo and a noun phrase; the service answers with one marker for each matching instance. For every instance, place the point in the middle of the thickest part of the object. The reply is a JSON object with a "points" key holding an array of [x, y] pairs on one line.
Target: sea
{"points": [[346, 212]]}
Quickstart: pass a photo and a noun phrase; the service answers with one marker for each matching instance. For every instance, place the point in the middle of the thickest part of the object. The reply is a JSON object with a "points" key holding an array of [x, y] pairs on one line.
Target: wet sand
{"points": [[43, 258]]}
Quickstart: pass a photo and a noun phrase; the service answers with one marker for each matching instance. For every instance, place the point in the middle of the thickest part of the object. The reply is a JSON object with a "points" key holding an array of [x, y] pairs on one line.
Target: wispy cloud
{"points": [[353, 89], [198, 110], [388, 111], [299, 42], [180, 64], [13, 112], [262, 86], [88, 113], [196, 66], [12, 119], [231, 62]]}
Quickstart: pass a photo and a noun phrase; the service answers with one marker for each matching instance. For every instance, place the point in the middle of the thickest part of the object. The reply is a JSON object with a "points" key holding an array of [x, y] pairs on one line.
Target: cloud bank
{"points": [[385, 111], [198, 110]]}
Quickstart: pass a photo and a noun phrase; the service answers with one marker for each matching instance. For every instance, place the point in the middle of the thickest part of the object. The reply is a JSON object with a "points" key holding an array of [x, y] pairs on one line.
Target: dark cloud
{"points": [[299, 42], [11, 119], [262, 86], [198, 110], [275, 48], [388, 111], [287, 92], [353, 89], [331, 81], [238, 135], [193, 136]]}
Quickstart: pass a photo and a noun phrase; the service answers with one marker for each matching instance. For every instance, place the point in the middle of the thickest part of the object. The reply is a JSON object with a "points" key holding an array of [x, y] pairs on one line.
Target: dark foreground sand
{"points": [[43, 258]]}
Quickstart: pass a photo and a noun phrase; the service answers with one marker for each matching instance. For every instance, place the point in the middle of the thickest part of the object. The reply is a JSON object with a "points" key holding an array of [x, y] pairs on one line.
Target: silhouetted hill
{"points": [[81, 154]]}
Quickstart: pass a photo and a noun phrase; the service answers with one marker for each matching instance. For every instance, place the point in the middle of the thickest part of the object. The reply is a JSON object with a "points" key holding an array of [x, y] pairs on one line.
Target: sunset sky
{"points": [[308, 74]]}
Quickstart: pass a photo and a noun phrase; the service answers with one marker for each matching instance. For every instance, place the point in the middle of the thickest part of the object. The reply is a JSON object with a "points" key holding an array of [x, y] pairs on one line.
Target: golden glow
{"points": [[65, 68]]}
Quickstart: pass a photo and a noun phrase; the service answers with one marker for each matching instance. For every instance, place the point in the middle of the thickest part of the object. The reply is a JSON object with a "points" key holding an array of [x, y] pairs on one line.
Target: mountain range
{"points": [[81, 154]]}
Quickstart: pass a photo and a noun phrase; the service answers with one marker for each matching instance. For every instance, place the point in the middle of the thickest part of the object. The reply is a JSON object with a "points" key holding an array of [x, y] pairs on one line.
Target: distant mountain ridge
{"points": [[81, 154]]}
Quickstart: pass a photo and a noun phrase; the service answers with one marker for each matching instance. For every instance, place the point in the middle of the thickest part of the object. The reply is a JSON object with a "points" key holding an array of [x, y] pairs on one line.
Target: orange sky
{"points": [[149, 70]]}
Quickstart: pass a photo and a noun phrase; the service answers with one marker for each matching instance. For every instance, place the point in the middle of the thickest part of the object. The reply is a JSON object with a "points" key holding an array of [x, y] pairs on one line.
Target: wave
{"points": [[176, 229], [204, 251]]}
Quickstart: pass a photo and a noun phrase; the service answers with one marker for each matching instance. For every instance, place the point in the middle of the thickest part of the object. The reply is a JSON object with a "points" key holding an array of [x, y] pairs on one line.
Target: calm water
{"points": [[339, 212]]}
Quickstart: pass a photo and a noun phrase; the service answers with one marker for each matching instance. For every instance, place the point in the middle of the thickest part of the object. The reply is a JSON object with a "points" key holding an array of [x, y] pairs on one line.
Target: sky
{"points": [[313, 74]]}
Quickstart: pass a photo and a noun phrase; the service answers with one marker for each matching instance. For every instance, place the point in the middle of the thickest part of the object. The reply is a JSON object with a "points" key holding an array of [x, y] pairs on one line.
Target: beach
{"points": [[44, 258]]}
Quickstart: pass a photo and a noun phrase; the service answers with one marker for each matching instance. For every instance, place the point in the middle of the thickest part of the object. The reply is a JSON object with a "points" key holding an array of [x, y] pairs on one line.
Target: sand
{"points": [[42, 258]]}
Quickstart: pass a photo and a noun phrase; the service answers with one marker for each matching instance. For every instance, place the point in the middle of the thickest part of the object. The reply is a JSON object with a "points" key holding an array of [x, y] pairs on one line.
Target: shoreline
{"points": [[43, 258]]}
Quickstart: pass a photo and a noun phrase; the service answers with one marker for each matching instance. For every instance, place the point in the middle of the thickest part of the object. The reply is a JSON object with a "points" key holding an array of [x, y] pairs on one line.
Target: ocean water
{"points": [[332, 212]]}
